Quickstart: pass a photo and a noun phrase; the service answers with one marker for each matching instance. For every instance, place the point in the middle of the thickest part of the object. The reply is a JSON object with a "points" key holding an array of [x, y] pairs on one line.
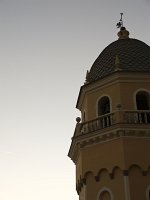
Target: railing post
{"points": [[119, 117], [145, 116], [78, 129]]}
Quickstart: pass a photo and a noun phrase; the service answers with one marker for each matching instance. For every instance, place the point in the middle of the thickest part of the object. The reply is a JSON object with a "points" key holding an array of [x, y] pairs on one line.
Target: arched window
{"points": [[142, 100], [105, 196], [103, 111], [103, 106], [143, 105]]}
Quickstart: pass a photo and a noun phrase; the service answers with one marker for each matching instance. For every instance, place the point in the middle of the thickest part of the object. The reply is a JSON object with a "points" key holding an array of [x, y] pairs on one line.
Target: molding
{"points": [[125, 173], [106, 135]]}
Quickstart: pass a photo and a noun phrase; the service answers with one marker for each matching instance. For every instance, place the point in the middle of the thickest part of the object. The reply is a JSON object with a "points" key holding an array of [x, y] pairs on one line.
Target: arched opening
{"points": [[103, 111], [103, 106], [142, 100], [105, 196], [143, 105]]}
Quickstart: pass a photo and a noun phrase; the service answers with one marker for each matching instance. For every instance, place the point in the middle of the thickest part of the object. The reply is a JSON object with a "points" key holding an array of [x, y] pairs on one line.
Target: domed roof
{"points": [[127, 54]]}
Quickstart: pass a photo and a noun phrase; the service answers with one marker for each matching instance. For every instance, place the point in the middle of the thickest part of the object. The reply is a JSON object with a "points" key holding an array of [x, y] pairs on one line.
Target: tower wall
{"points": [[111, 144]]}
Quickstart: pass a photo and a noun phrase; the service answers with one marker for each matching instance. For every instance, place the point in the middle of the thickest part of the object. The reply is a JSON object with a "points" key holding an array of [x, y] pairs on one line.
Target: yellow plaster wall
{"points": [[138, 183], [137, 151], [103, 155], [128, 92]]}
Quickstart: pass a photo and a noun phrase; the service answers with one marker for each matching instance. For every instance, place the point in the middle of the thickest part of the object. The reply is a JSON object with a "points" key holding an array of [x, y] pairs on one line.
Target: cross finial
{"points": [[120, 23]]}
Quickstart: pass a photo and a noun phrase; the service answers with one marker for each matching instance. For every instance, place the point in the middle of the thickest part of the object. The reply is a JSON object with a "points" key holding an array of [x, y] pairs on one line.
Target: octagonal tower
{"points": [[111, 142]]}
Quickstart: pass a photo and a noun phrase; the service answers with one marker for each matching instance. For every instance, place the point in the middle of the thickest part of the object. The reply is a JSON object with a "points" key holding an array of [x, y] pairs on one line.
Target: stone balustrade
{"points": [[110, 119]]}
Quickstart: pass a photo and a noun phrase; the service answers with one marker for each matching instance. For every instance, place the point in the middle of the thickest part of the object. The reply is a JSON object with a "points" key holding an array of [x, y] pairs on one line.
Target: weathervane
{"points": [[120, 23]]}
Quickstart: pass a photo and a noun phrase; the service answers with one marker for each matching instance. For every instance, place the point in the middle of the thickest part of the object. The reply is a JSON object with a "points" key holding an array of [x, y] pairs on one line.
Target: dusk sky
{"points": [[46, 47]]}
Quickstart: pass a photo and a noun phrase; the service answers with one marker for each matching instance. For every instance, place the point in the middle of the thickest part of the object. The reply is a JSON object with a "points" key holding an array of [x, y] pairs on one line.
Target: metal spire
{"points": [[120, 23]]}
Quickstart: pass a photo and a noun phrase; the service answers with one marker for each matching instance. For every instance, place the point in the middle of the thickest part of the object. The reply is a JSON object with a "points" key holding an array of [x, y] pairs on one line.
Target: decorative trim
{"points": [[125, 174], [105, 189], [98, 138]]}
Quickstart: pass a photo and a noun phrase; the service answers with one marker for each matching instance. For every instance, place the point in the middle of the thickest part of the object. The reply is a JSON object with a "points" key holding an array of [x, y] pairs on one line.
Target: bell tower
{"points": [[111, 142]]}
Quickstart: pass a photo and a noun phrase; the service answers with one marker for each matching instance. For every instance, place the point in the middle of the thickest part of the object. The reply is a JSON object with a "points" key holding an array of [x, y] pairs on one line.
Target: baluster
{"points": [[99, 123], [140, 118], [145, 118], [129, 118], [86, 128], [103, 122], [111, 119], [92, 125], [83, 129], [148, 117], [95, 125], [107, 121], [136, 118], [89, 126]]}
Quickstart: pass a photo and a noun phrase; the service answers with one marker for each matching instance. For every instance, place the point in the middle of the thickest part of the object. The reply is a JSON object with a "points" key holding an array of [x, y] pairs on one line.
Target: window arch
{"points": [[103, 106], [142, 100], [103, 110], [105, 194], [143, 105]]}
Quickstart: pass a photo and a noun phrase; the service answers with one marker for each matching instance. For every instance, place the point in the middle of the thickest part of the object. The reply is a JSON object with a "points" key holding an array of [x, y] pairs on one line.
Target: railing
{"points": [[98, 123], [138, 117], [118, 117]]}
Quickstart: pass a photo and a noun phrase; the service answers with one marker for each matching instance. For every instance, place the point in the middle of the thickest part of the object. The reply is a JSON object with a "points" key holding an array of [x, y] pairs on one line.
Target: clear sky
{"points": [[46, 47]]}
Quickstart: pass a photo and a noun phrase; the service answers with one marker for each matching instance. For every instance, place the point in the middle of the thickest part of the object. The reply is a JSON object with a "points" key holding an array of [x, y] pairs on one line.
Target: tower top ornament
{"points": [[120, 23]]}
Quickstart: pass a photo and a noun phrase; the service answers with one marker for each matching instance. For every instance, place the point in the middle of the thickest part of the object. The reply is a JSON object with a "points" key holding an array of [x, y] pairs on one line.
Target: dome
{"points": [[124, 54]]}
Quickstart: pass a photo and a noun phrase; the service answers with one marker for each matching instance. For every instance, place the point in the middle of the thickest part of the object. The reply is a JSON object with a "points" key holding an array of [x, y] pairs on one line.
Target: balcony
{"points": [[140, 117]]}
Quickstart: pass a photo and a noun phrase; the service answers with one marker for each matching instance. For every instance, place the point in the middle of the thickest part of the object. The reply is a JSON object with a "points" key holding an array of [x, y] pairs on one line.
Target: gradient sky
{"points": [[46, 47]]}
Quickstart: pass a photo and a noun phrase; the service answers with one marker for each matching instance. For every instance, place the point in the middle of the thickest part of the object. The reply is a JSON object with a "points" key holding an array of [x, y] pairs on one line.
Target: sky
{"points": [[46, 47]]}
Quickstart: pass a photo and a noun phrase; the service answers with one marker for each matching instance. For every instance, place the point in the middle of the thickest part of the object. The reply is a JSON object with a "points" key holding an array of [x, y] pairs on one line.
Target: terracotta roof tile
{"points": [[133, 54]]}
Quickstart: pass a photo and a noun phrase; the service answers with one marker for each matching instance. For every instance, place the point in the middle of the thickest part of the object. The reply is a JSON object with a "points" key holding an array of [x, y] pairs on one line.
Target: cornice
{"points": [[105, 135]]}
